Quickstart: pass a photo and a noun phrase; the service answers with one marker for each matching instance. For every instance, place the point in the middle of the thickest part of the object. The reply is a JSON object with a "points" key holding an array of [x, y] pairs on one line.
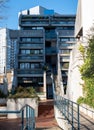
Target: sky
{"points": [[13, 7]]}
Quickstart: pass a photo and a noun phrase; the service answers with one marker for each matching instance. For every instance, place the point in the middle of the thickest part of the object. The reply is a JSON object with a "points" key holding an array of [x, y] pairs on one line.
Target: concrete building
{"points": [[8, 55], [84, 21], [45, 41], [8, 50]]}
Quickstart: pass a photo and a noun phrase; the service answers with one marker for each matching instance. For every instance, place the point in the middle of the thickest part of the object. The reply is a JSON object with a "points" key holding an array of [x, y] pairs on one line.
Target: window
{"points": [[26, 65], [22, 51], [27, 51], [21, 65], [32, 66]]}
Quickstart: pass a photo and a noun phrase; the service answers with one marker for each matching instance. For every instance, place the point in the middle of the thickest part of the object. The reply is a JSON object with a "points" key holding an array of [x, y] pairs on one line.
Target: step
{"points": [[45, 109], [2, 115]]}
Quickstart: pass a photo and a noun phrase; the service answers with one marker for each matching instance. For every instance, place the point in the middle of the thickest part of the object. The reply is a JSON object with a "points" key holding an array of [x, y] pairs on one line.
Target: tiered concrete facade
{"points": [[45, 38]]}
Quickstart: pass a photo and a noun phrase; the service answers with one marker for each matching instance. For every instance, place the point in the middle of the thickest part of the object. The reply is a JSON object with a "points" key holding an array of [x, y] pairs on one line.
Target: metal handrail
{"points": [[27, 117], [69, 109], [87, 109]]}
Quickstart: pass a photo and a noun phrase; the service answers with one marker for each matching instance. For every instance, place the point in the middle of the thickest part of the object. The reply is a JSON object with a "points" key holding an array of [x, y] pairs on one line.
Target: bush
{"points": [[21, 92], [80, 100]]}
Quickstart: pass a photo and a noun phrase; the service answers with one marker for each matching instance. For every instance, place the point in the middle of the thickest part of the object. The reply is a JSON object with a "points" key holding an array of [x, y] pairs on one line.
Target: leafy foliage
{"points": [[21, 92], [82, 51], [87, 73]]}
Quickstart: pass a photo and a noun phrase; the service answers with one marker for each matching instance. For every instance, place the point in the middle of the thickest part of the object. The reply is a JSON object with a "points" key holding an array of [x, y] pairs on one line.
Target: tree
{"points": [[2, 6], [87, 72]]}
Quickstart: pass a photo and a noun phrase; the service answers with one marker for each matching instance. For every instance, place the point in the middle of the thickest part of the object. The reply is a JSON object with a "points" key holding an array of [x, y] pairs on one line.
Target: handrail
{"points": [[25, 106], [27, 116], [18, 111], [87, 109], [70, 110]]}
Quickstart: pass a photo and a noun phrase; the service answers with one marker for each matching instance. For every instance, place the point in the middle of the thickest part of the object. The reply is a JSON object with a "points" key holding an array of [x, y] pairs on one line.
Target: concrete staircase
{"points": [[46, 119], [46, 109], [3, 107]]}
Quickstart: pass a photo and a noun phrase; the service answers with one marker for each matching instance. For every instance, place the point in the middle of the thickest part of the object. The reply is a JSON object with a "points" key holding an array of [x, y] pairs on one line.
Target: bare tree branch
{"points": [[2, 7]]}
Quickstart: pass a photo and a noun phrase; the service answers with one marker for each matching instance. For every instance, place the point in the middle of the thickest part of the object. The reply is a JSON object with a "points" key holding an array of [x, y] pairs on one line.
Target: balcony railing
{"points": [[30, 45], [30, 58], [51, 50], [36, 71]]}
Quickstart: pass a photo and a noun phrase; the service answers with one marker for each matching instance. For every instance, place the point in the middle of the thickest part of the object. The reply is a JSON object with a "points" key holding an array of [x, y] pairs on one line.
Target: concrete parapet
{"points": [[62, 122]]}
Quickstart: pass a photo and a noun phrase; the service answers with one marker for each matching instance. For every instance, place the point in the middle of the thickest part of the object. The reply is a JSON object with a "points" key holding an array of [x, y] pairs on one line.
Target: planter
{"points": [[17, 104]]}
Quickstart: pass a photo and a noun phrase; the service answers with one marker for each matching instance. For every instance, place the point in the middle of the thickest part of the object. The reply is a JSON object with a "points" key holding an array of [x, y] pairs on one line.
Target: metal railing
{"points": [[27, 115], [70, 111]]}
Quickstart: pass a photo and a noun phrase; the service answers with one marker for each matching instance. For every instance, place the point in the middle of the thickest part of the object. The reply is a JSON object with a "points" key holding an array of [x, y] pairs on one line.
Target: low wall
{"points": [[17, 104], [87, 110], [61, 120]]}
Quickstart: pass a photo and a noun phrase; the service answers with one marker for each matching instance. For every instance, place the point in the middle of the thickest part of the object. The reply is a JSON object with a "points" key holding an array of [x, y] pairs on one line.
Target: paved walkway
{"points": [[86, 123], [13, 124]]}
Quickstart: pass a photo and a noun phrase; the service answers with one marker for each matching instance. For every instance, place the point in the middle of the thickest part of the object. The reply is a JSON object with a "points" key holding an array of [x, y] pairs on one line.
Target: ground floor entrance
{"points": [[49, 92]]}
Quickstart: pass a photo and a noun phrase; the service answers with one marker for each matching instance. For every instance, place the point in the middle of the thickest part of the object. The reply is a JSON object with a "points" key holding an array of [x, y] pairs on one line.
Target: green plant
{"points": [[80, 100], [87, 73], [82, 51], [21, 92]]}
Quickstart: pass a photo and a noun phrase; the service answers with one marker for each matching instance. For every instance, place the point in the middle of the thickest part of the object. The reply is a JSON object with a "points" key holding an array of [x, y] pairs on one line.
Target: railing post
{"points": [[22, 119], [78, 117], [72, 115], [68, 111], [27, 117]]}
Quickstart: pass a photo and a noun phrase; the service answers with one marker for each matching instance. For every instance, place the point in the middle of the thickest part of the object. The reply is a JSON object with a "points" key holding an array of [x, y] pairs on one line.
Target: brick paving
{"points": [[10, 124]]}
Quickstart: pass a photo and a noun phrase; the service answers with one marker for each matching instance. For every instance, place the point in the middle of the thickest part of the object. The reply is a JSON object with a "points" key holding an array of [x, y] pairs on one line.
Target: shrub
{"points": [[80, 100], [21, 92]]}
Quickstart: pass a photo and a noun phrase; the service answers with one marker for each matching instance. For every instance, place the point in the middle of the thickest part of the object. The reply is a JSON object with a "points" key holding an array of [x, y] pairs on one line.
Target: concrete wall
{"points": [[85, 16], [74, 88], [17, 104], [84, 21], [87, 110], [61, 120]]}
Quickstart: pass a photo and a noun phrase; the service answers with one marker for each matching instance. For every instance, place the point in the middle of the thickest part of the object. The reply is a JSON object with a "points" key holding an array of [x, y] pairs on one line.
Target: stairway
{"points": [[46, 119], [46, 109], [3, 107]]}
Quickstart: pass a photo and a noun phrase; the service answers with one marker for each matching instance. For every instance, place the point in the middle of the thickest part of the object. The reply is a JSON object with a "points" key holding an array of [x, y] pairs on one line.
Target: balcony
{"points": [[51, 51], [30, 58], [34, 23], [31, 33], [66, 45], [66, 33], [50, 36], [30, 73], [28, 46]]}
